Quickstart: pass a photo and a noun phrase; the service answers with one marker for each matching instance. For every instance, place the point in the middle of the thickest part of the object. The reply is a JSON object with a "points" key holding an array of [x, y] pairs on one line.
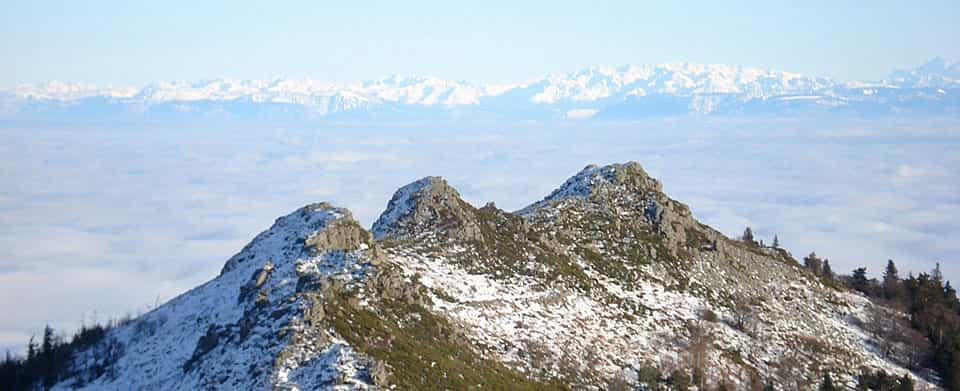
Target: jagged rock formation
{"points": [[605, 275], [429, 204]]}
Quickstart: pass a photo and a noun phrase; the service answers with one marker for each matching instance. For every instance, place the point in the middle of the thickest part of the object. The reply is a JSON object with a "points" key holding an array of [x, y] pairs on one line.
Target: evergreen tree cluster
{"points": [[49, 362], [881, 381], [933, 312], [819, 267]]}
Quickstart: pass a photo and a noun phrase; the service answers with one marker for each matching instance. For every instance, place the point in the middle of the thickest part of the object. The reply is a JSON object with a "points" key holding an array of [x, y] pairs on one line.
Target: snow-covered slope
{"points": [[603, 277], [246, 329], [606, 275], [625, 92]]}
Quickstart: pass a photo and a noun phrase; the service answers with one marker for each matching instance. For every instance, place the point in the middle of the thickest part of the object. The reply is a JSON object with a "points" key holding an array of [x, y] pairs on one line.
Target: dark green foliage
{"points": [[934, 312], [827, 271], [813, 263], [748, 236], [49, 363], [859, 281], [648, 375], [822, 269], [881, 381], [891, 281], [906, 383], [679, 380], [423, 351], [827, 383], [709, 316]]}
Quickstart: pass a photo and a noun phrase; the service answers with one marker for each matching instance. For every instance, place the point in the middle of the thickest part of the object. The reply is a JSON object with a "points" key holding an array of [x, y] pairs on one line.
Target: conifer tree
{"points": [[906, 383], [748, 235], [859, 280], [813, 263], [776, 241], [950, 294], [48, 357], [31, 349], [827, 270], [827, 384], [891, 281]]}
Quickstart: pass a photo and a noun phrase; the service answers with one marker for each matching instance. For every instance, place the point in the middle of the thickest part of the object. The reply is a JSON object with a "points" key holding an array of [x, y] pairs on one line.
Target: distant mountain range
{"points": [[628, 92]]}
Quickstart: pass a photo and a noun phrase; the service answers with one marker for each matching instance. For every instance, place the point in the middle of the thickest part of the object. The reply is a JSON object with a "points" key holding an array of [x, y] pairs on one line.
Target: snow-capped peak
{"points": [[289, 233], [405, 202], [620, 275], [595, 92], [937, 72], [593, 177]]}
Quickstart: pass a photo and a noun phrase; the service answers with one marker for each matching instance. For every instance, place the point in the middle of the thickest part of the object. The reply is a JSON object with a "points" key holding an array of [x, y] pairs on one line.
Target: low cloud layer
{"points": [[97, 221]]}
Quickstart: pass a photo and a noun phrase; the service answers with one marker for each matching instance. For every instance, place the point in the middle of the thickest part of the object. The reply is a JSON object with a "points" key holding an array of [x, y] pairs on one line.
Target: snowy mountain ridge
{"points": [[627, 91], [588, 288]]}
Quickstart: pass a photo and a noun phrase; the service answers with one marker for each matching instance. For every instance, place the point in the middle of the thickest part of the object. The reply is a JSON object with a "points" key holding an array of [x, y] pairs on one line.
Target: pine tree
{"points": [[776, 241], [891, 281], [46, 347], [813, 263], [28, 366], [48, 357], [950, 295], [32, 349], [827, 384], [906, 383], [748, 235], [8, 371], [859, 280], [827, 270]]}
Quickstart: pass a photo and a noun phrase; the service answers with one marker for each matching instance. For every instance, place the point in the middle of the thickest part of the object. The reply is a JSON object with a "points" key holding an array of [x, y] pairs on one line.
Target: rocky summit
{"points": [[601, 283]]}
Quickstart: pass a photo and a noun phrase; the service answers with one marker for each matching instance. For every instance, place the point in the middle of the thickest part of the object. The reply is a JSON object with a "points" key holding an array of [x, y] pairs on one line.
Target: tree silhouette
{"points": [[748, 236]]}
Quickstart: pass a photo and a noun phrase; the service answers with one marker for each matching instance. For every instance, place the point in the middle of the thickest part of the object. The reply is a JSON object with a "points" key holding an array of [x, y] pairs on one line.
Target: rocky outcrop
{"points": [[608, 268], [428, 206], [624, 195], [569, 292]]}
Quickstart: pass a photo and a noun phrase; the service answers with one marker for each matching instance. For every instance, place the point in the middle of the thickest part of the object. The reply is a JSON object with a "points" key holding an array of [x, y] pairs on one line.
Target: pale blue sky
{"points": [[133, 42]]}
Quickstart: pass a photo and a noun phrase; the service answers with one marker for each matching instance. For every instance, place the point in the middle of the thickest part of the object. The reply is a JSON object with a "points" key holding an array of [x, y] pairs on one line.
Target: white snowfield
{"points": [[695, 88], [250, 328]]}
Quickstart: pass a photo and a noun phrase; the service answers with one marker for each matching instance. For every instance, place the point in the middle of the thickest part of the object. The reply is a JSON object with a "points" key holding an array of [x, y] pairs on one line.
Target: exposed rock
{"points": [[342, 234], [569, 292], [427, 206]]}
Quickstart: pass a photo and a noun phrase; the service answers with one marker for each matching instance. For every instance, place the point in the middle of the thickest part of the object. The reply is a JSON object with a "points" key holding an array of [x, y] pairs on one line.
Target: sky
{"points": [[134, 42], [101, 219]]}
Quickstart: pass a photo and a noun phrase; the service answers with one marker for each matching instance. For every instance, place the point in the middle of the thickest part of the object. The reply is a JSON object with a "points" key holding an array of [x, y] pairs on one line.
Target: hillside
{"points": [[603, 281]]}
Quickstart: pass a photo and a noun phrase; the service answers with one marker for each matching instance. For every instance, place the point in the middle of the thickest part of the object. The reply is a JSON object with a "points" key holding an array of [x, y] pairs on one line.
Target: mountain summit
{"points": [[593, 287], [427, 204]]}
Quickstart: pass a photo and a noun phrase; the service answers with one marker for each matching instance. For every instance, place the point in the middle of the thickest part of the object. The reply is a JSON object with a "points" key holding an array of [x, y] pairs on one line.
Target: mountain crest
{"points": [[603, 271], [594, 180], [628, 92], [428, 205], [290, 235]]}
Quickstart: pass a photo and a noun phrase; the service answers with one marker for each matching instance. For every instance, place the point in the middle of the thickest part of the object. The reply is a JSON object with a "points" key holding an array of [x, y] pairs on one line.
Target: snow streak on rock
{"points": [[604, 276]]}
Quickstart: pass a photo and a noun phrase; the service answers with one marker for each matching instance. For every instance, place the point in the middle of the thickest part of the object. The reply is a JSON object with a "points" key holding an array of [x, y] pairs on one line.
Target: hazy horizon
{"points": [[153, 211], [122, 43], [113, 200]]}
